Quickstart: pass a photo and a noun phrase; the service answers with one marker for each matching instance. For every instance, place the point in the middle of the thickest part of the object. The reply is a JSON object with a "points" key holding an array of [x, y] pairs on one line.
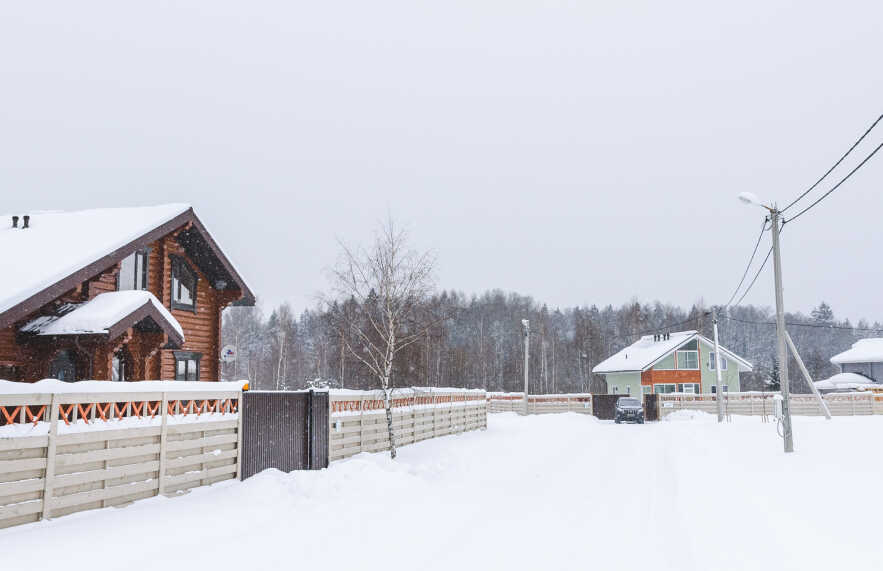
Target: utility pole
{"points": [[525, 324], [780, 334], [717, 369]]}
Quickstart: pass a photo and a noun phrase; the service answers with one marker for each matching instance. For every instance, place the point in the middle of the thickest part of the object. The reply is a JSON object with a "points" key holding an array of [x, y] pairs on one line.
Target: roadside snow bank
{"points": [[688, 415], [551, 492]]}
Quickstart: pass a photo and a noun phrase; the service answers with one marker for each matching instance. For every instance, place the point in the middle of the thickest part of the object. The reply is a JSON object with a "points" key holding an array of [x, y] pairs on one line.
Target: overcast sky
{"points": [[580, 152]]}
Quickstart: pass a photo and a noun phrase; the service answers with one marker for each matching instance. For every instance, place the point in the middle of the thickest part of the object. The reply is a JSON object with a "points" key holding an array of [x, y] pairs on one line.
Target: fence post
{"points": [[309, 430], [163, 437], [49, 483], [361, 423], [239, 438]]}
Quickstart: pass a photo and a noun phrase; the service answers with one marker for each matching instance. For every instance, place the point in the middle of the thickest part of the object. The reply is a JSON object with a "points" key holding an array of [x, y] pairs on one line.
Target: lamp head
{"points": [[749, 198]]}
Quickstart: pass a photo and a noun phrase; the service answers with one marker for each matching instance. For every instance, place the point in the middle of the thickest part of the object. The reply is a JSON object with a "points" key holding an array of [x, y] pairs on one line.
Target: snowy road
{"points": [[550, 492]]}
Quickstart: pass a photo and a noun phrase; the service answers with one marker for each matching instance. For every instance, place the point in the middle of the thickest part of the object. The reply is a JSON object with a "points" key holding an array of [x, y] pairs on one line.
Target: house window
{"points": [[628, 390], [616, 389], [63, 367], [183, 285], [664, 388], [688, 359], [187, 366], [724, 388], [646, 389], [689, 388], [120, 368], [133, 271], [712, 361]]}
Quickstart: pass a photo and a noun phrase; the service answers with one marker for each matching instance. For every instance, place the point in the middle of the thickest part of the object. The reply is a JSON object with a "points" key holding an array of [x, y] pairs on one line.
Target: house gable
{"points": [[50, 233], [217, 286]]}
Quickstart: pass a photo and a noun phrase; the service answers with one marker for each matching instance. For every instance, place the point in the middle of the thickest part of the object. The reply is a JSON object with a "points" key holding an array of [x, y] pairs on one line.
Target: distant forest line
{"points": [[479, 343]]}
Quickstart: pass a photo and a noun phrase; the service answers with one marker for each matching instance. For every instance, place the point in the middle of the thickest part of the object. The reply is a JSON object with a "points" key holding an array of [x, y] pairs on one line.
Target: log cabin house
{"points": [[121, 294], [681, 362]]}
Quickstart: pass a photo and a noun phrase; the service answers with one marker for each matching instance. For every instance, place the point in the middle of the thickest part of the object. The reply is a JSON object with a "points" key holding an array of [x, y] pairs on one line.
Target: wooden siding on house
{"points": [[652, 376]]}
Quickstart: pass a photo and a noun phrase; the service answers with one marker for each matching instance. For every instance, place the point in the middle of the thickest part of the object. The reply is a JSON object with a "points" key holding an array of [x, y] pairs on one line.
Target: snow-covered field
{"points": [[547, 492]]}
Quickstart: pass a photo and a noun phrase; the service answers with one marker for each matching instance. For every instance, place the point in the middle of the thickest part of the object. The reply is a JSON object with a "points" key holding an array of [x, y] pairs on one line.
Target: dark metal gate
{"points": [[284, 430], [651, 407], [604, 406]]}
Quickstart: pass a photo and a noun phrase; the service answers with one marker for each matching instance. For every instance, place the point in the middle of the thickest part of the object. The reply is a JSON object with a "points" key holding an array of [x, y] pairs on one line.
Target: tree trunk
{"points": [[387, 402]]}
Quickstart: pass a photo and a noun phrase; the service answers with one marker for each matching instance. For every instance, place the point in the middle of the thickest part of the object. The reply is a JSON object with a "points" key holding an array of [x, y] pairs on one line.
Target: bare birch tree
{"points": [[390, 283]]}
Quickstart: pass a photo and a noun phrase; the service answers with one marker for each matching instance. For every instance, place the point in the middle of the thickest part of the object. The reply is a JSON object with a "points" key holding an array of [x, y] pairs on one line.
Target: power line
{"points": [[757, 275], [814, 325], [669, 326], [836, 186], [854, 145], [750, 261]]}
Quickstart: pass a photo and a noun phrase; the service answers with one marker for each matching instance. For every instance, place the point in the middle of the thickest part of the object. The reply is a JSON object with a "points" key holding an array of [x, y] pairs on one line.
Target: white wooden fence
{"points": [[358, 418], [62, 453], [540, 404], [756, 403]]}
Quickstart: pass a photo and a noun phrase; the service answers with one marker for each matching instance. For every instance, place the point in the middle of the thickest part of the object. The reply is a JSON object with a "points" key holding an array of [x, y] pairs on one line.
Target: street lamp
{"points": [[775, 214], [525, 325]]}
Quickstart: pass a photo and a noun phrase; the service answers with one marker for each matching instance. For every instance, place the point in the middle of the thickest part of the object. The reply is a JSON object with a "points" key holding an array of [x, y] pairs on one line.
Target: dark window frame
{"points": [[145, 270], [180, 264], [186, 357], [121, 363]]}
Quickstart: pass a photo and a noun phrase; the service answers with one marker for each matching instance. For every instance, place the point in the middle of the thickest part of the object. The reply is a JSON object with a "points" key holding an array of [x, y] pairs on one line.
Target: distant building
{"points": [[861, 367], [681, 362], [119, 294]]}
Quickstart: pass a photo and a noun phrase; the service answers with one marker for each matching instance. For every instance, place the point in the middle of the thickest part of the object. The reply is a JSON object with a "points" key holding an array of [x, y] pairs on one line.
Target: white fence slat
{"points": [[49, 476]]}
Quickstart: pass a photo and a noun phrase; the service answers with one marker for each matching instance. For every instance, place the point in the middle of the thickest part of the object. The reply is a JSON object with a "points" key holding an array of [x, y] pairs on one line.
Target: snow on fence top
{"points": [[57, 244], [26, 408], [402, 392], [497, 395], [50, 386], [351, 401]]}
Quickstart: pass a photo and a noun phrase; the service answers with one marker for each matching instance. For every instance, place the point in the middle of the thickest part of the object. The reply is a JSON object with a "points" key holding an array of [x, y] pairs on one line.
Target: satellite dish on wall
{"points": [[228, 354]]}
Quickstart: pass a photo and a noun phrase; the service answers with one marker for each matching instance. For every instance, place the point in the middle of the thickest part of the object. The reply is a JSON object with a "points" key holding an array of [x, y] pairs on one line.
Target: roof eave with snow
{"points": [[658, 351], [110, 314]]}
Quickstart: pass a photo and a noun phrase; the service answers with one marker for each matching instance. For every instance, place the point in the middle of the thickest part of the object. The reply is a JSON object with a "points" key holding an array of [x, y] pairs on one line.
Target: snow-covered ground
{"points": [[545, 492]]}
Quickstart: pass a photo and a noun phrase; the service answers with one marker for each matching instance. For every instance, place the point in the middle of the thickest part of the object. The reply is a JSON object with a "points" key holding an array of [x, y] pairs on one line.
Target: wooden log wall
{"points": [[182, 440]]}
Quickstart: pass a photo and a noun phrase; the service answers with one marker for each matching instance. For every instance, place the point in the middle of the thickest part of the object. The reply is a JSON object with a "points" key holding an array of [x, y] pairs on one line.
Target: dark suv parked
{"points": [[629, 409]]}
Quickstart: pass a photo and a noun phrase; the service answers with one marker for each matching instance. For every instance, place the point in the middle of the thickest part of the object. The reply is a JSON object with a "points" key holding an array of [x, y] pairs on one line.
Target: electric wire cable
{"points": [[750, 261], [830, 170], [648, 331], [836, 186], [814, 325], [757, 275]]}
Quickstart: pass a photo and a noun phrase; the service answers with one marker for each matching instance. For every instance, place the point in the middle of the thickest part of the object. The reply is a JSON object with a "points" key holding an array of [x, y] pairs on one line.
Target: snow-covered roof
{"points": [[106, 314], [57, 244], [58, 249], [845, 382], [650, 349], [862, 351]]}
